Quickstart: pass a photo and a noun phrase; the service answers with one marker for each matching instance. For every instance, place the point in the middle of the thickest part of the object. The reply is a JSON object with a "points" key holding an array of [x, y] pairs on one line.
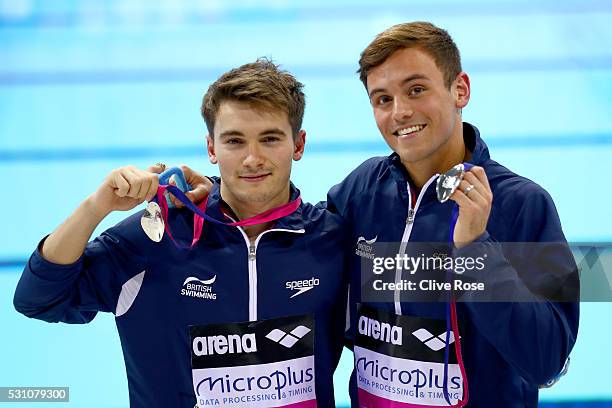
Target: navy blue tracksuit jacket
{"points": [[511, 347], [147, 286]]}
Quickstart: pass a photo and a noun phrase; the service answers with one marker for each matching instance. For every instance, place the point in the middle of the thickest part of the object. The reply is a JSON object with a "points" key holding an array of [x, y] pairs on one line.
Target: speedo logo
{"points": [[230, 344], [197, 288], [380, 331], [364, 247], [435, 343], [301, 286]]}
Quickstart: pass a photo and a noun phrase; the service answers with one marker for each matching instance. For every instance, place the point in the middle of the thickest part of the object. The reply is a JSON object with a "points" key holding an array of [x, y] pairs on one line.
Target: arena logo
{"points": [[197, 288], [436, 343], [288, 339], [230, 344], [364, 247], [380, 331]]}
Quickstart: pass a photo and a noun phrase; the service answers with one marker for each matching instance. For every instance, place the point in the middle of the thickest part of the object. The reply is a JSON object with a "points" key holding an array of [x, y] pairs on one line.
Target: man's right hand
{"points": [[123, 189]]}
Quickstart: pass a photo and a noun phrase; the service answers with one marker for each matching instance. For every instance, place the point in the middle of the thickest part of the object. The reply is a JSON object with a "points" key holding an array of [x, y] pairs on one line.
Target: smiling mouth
{"points": [[409, 131]]}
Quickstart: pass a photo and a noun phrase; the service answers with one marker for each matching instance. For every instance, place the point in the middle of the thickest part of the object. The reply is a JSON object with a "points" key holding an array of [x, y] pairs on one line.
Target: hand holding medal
{"points": [[155, 216], [468, 186], [124, 189]]}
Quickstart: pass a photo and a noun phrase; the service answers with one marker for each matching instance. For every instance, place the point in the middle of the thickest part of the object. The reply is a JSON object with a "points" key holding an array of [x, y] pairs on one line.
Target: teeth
{"points": [[409, 130]]}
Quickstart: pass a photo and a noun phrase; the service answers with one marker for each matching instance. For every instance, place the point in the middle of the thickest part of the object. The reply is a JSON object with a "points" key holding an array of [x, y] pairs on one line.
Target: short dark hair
{"points": [[433, 40], [261, 83]]}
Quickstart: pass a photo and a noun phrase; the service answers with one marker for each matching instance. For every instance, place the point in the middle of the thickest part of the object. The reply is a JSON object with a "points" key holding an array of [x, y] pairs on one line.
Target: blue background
{"points": [[89, 86]]}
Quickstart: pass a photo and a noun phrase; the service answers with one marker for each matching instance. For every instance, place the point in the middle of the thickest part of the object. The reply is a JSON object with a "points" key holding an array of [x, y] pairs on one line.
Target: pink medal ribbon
{"points": [[199, 213]]}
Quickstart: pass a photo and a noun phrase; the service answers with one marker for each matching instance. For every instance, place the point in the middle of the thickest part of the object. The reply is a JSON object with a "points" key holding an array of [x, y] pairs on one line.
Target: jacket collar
{"points": [[215, 207], [475, 144]]}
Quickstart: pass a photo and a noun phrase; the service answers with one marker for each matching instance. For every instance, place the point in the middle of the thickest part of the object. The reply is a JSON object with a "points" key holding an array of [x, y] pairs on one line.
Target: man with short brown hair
{"points": [[520, 333], [249, 315]]}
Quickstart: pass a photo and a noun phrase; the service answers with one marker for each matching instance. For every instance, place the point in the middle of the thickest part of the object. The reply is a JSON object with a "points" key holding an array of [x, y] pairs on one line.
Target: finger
{"points": [[470, 178], [195, 179], [144, 187], [144, 191], [463, 201], [121, 185], [157, 168], [190, 196], [481, 175], [467, 201], [172, 180], [135, 179], [201, 185], [187, 172], [477, 179], [473, 194], [198, 194], [136, 184], [177, 203], [141, 184], [152, 191]]}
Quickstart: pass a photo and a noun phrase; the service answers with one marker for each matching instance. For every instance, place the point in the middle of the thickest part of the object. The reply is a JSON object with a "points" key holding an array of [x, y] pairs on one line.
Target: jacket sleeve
{"points": [[75, 293], [529, 310]]}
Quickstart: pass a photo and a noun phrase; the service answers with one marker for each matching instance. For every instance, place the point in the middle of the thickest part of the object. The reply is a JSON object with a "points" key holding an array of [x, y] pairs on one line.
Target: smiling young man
{"points": [[521, 330], [249, 316]]}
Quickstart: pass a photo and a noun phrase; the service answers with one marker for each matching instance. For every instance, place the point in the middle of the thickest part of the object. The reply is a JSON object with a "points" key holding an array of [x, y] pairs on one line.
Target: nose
{"points": [[254, 157], [402, 109]]}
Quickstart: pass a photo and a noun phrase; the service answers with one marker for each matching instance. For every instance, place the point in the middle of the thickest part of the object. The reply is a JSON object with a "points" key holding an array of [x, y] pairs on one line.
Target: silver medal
{"points": [[152, 222], [449, 181]]}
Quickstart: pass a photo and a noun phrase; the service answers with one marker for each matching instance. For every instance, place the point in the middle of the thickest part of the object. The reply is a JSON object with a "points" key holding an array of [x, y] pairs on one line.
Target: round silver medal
{"points": [[449, 181], [152, 222]]}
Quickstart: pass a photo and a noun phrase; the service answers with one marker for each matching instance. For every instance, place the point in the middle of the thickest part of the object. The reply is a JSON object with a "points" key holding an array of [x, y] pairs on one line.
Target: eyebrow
{"points": [[229, 133], [273, 131], [270, 131], [405, 81]]}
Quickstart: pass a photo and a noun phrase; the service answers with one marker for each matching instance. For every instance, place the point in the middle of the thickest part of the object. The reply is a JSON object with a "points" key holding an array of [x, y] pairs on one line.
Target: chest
{"points": [[235, 282]]}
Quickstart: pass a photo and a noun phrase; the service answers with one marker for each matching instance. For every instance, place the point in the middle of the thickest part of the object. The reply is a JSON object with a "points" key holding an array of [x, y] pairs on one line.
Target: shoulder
{"points": [[513, 190], [320, 219], [367, 176], [525, 208], [369, 172]]}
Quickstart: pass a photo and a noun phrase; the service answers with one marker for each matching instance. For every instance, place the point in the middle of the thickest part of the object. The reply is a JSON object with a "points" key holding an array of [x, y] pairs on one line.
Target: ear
{"points": [[461, 90], [210, 145], [299, 143]]}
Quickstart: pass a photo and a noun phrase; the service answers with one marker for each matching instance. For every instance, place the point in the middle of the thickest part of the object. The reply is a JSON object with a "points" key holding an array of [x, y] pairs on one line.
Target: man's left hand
{"points": [[200, 184], [474, 198]]}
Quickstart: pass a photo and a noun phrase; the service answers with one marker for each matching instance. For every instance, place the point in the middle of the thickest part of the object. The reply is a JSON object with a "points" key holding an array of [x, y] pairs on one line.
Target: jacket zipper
{"points": [[406, 236], [252, 265]]}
